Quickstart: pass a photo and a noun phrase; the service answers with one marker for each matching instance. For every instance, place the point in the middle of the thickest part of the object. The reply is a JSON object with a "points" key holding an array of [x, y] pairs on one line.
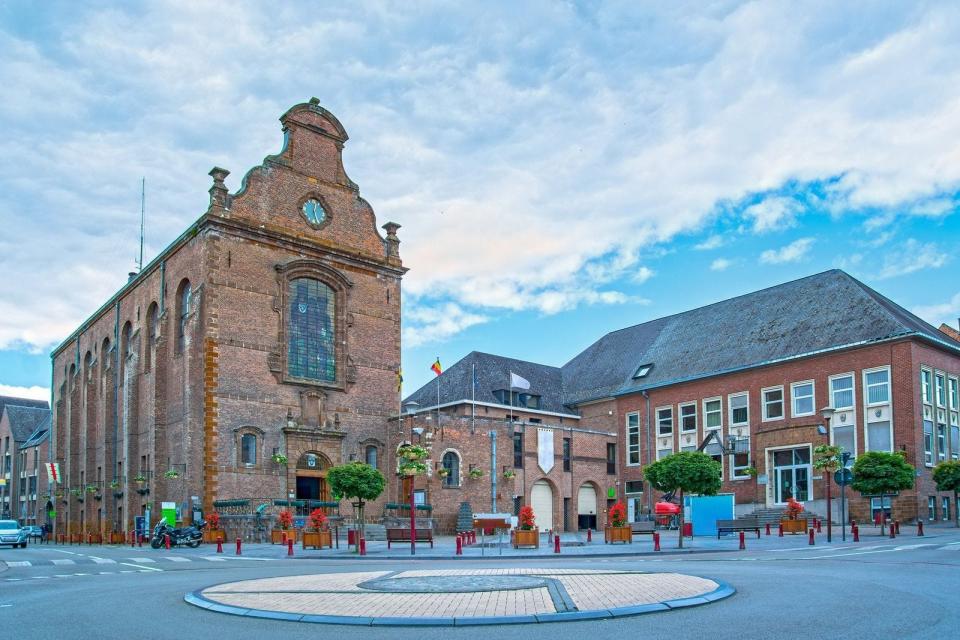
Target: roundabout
{"points": [[459, 597]]}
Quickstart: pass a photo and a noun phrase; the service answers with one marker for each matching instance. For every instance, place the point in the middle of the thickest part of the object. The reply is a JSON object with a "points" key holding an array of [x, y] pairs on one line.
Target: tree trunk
{"points": [[680, 545], [360, 529], [956, 509]]}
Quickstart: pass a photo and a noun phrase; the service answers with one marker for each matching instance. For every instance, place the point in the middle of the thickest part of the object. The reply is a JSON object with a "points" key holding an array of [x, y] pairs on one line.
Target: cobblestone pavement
{"points": [[455, 596]]}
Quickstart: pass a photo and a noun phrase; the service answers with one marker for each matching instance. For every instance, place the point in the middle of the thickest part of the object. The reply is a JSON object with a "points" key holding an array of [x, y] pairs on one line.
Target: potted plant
{"points": [[443, 472], [791, 520], [318, 534], [618, 530], [526, 534], [412, 452], [92, 488], [115, 484], [140, 478], [509, 474], [171, 474], [279, 458], [285, 528], [476, 473], [413, 468], [214, 531]]}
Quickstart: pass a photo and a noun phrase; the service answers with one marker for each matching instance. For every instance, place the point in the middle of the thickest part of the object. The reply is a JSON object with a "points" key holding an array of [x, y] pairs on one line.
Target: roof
{"points": [[825, 311], [493, 373], [24, 420], [40, 433], [22, 402]]}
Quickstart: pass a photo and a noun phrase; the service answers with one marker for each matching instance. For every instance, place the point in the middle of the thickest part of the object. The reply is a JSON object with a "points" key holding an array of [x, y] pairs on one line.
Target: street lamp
{"points": [[824, 430]]}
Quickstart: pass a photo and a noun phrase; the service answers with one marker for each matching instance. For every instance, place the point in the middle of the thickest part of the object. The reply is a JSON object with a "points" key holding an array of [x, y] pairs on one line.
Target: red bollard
{"points": [[220, 545], [819, 526], [780, 530], [919, 527], [876, 520], [473, 537], [133, 539], [856, 533], [589, 535], [283, 538], [811, 535], [289, 546], [893, 531], [139, 541], [743, 544], [853, 523], [459, 545], [556, 543], [896, 524], [363, 545], [656, 541], [167, 539], [768, 528], [238, 546]]}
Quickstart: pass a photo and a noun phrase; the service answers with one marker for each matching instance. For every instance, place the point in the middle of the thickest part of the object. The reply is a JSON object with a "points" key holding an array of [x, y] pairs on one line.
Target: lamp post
{"points": [[827, 414], [844, 459]]}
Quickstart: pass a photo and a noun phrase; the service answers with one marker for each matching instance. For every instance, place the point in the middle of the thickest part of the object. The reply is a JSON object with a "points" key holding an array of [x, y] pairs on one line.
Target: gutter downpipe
{"points": [[649, 490]]}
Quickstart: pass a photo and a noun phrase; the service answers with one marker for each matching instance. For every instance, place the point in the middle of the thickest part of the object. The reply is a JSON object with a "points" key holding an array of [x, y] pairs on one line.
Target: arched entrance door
{"points": [[587, 507], [541, 499], [312, 476]]}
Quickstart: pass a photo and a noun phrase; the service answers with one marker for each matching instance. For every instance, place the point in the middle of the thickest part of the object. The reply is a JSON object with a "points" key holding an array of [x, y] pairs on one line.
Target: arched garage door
{"points": [[587, 507], [541, 499]]}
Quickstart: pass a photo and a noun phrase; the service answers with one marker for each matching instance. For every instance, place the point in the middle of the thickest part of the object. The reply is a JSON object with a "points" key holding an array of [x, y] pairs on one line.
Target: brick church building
{"points": [[269, 329]]}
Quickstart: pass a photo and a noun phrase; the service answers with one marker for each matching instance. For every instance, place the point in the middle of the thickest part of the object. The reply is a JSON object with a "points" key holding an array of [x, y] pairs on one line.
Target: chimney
{"points": [[131, 276]]}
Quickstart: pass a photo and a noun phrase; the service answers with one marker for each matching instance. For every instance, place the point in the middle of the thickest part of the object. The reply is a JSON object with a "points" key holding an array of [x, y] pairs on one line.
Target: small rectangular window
{"points": [[741, 462], [739, 410], [663, 453], [518, 450], [878, 386], [841, 392], [945, 508], [566, 454], [633, 439], [611, 458], [954, 397], [642, 371], [941, 388], [844, 437], [879, 437], [941, 442], [665, 421], [955, 443], [932, 508], [926, 385], [248, 449], [803, 400], [688, 417], [928, 442], [633, 486], [773, 403], [713, 414]]}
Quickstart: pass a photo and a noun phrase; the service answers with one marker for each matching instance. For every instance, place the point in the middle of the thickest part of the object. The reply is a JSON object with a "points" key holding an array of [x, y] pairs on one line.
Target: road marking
{"points": [[106, 573], [102, 560], [39, 577], [81, 574], [143, 560], [125, 571], [63, 561], [128, 564], [953, 546], [216, 559], [14, 579], [913, 546], [3, 606], [62, 575], [20, 563], [178, 559]]}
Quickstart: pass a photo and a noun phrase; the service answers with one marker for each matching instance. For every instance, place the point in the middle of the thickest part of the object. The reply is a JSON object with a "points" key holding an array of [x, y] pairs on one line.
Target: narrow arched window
{"points": [[152, 313], [370, 456], [311, 340], [184, 300], [248, 449], [451, 462]]}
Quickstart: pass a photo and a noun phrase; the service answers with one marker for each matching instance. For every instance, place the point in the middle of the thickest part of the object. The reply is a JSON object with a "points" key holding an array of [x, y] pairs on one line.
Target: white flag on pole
{"points": [[516, 382]]}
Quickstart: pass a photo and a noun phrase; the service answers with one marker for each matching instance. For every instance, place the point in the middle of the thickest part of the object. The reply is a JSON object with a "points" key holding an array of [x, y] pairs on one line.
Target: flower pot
{"points": [[117, 538], [613, 535], [276, 536], [318, 539], [526, 538], [794, 526]]}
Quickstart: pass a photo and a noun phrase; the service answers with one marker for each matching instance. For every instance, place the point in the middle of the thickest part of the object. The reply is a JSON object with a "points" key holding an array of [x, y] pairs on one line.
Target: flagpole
{"points": [[438, 404], [473, 399]]}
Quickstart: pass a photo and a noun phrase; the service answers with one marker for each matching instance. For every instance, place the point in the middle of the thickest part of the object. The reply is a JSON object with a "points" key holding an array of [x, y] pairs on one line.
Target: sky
{"points": [[559, 169]]}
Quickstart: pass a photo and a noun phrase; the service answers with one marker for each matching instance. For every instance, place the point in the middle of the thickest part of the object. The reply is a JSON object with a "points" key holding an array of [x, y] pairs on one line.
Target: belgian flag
{"points": [[436, 368]]}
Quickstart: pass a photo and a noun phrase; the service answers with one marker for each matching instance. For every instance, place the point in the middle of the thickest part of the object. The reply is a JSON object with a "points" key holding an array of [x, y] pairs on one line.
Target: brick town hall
{"points": [[262, 347]]}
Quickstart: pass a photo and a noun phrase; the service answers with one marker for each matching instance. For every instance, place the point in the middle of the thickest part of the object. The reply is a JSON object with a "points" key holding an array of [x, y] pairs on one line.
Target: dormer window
{"points": [[642, 371], [521, 400]]}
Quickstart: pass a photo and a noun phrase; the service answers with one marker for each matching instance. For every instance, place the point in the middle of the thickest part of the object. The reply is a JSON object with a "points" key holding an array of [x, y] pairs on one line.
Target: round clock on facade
{"points": [[314, 211]]}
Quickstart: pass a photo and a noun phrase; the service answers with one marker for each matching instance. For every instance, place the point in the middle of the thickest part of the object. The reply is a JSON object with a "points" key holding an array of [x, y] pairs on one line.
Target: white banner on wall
{"points": [[545, 449]]}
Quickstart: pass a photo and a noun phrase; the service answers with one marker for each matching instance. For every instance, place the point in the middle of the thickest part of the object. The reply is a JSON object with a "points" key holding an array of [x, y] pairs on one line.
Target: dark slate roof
{"points": [[21, 402], [40, 433], [24, 420], [493, 373], [820, 312]]}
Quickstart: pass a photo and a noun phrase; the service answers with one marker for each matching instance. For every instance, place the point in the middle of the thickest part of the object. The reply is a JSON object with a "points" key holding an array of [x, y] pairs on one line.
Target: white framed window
{"points": [[665, 421], [877, 383], [926, 386], [880, 436], [955, 443], [841, 391], [633, 439], [945, 509], [663, 453], [714, 451], [741, 462], [802, 396], [954, 394], [928, 443], [688, 416], [713, 413], [845, 437], [772, 403], [941, 389], [941, 442], [739, 404]]}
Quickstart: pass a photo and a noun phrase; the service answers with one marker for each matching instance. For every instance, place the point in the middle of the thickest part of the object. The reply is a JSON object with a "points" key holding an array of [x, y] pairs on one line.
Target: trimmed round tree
{"points": [[358, 482], [878, 473], [685, 472], [947, 477]]}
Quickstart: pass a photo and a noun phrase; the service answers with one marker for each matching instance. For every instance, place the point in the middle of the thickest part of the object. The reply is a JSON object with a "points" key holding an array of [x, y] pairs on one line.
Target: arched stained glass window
{"points": [[311, 345]]}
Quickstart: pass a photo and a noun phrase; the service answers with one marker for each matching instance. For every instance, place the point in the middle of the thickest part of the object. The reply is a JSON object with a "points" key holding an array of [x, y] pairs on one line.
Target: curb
{"points": [[498, 558], [723, 591]]}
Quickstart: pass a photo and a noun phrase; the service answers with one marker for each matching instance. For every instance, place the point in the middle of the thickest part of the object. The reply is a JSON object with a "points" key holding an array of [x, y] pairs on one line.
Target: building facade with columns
{"points": [[257, 350]]}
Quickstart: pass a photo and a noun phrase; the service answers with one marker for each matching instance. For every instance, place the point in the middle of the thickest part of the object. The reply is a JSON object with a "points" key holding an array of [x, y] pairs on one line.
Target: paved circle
{"points": [[459, 597]]}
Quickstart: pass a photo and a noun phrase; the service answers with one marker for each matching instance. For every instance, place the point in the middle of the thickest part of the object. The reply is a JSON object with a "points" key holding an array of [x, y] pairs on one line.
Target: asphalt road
{"points": [[878, 589]]}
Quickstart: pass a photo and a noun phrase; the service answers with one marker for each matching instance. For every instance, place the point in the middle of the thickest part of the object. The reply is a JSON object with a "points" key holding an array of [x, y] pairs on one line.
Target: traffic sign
{"points": [[843, 476]]}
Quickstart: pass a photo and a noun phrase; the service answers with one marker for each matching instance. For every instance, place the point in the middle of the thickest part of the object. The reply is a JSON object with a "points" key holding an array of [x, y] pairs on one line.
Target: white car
{"points": [[11, 533]]}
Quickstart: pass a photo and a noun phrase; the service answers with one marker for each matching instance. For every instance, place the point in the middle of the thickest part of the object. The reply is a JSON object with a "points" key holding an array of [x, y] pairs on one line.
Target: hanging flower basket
{"points": [[92, 488], [509, 475], [172, 474], [476, 473], [413, 452], [413, 468], [279, 458], [139, 478], [115, 484], [443, 472]]}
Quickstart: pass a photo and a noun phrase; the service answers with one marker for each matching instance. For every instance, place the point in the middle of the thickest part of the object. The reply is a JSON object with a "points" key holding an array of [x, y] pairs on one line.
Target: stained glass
{"points": [[311, 350]]}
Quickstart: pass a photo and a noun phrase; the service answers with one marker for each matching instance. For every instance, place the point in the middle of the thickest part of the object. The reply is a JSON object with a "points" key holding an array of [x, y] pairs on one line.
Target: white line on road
{"points": [[178, 559], [129, 564], [20, 563], [63, 561], [62, 575], [143, 560], [14, 579], [216, 559], [62, 551], [913, 546], [3, 606], [102, 560], [39, 577], [81, 574]]}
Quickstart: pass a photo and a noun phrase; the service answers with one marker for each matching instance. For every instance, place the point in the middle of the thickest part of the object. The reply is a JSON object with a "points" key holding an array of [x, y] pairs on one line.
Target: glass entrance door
{"points": [[792, 474]]}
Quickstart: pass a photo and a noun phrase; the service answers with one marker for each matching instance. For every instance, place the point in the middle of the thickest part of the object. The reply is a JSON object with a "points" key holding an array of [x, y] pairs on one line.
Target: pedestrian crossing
{"points": [[82, 560]]}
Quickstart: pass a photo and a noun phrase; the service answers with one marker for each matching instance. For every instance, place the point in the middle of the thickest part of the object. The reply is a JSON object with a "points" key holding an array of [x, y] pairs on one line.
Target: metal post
{"points": [[413, 521], [493, 470]]}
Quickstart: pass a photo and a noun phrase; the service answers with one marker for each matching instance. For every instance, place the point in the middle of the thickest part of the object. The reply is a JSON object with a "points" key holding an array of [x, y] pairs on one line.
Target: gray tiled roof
{"points": [[493, 373], [24, 420], [21, 402], [40, 433]]}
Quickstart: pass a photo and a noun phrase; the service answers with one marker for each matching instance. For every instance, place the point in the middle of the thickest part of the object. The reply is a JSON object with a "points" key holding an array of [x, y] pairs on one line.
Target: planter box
{"points": [[529, 538], [318, 539], [117, 538], [794, 526], [617, 534], [213, 535], [276, 536]]}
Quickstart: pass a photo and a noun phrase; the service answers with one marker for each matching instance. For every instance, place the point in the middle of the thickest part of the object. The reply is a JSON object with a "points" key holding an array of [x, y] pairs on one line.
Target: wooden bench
{"points": [[739, 524], [648, 526], [403, 535]]}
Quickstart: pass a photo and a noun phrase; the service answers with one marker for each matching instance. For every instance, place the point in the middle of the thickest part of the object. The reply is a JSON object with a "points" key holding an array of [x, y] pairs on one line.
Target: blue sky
{"points": [[560, 169]]}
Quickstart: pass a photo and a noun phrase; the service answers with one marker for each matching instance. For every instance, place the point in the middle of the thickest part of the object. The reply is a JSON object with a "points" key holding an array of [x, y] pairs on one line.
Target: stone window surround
{"points": [[238, 434], [459, 484]]}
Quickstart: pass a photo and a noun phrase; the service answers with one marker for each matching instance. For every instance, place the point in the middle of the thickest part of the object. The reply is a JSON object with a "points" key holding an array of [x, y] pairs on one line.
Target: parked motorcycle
{"points": [[190, 536]]}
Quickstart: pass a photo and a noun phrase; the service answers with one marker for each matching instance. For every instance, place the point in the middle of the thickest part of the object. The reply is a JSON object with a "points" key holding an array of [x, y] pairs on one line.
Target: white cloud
{"points": [[713, 242], [436, 324], [34, 393], [942, 313], [773, 214], [793, 252], [643, 274], [721, 264], [912, 256]]}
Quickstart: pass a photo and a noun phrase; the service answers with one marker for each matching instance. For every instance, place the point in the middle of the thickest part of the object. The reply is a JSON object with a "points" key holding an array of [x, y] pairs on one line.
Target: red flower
{"points": [[318, 519], [526, 518], [794, 509], [285, 519], [214, 520], [618, 515]]}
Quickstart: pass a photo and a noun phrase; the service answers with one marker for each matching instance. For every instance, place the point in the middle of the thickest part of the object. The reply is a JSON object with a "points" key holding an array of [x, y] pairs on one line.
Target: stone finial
{"points": [[218, 192], [393, 242]]}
